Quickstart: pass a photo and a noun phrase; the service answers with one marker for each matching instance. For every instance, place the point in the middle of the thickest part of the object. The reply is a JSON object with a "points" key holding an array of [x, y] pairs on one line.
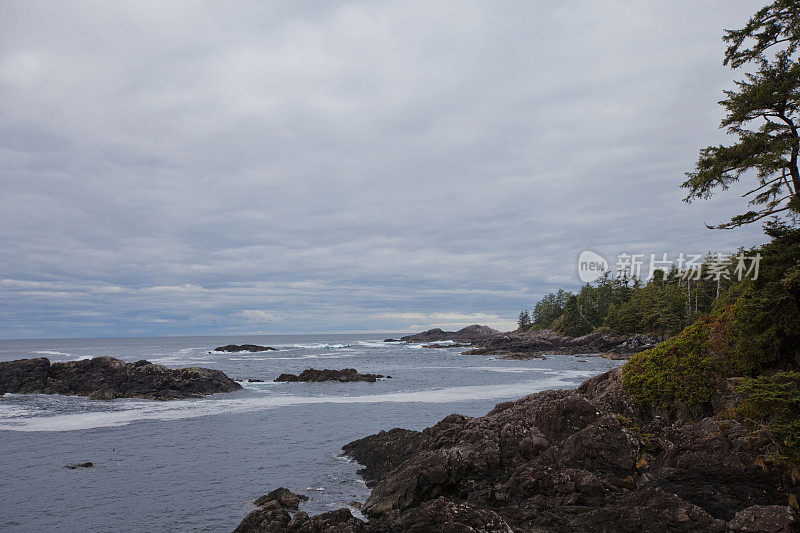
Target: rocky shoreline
{"points": [[587, 459], [106, 378], [484, 340]]}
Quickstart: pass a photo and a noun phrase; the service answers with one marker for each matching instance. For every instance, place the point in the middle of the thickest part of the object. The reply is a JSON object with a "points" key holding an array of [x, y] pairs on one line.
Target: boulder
{"points": [[283, 497]]}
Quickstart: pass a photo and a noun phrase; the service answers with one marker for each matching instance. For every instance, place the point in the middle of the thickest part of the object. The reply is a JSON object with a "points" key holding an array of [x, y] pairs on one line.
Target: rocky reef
{"points": [[108, 378], [314, 375], [235, 348], [536, 343], [589, 459], [529, 344]]}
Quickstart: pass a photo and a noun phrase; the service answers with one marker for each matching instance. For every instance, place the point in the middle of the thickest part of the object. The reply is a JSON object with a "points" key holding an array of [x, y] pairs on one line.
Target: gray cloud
{"points": [[191, 168]]}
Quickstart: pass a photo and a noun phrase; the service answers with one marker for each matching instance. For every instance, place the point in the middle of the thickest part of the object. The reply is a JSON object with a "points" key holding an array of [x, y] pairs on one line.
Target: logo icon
{"points": [[591, 266]]}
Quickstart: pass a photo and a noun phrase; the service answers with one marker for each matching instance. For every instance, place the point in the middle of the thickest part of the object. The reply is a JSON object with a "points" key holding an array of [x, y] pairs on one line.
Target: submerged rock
{"points": [[87, 464], [345, 375], [243, 348], [108, 378]]}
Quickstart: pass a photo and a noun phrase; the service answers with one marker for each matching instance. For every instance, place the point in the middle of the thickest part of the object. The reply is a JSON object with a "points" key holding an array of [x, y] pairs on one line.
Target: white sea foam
{"points": [[322, 346], [53, 352], [134, 410]]}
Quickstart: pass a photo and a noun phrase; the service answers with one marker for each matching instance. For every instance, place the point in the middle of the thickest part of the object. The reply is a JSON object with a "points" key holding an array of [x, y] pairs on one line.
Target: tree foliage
{"points": [[763, 113]]}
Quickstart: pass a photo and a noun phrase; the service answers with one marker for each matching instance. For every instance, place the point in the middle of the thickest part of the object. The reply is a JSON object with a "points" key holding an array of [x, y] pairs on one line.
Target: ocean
{"points": [[198, 464]]}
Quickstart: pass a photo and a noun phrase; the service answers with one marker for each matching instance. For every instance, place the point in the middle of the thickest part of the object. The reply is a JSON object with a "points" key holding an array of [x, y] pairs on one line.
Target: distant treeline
{"points": [[662, 306]]}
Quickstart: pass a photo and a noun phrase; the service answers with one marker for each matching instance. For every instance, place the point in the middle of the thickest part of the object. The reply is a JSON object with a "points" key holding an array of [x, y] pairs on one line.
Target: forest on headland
{"points": [[734, 325]]}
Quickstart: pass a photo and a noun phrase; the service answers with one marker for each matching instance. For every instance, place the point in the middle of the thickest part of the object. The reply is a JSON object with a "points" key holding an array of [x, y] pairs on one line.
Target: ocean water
{"points": [[197, 465]]}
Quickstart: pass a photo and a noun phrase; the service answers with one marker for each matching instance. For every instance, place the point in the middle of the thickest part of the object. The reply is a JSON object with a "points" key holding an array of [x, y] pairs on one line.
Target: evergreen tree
{"points": [[524, 320], [763, 113]]}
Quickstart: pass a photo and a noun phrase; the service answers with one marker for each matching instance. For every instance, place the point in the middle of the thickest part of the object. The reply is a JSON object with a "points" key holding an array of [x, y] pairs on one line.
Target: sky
{"points": [[209, 168]]}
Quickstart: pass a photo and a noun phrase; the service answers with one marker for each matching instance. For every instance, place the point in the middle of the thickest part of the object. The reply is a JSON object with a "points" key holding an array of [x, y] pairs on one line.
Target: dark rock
{"points": [[109, 378], [345, 375], [280, 521], [284, 498], [391, 340], [87, 464], [24, 376], [581, 460], [772, 518], [382, 452], [467, 334], [536, 343], [255, 380], [243, 348]]}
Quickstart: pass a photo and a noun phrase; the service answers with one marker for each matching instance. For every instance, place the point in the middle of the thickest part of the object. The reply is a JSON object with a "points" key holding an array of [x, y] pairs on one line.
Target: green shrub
{"points": [[688, 367], [771, 409]]}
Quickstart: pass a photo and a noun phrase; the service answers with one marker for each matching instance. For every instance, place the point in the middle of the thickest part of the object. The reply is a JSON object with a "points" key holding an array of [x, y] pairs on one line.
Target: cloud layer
{"points": [[205, 168]]}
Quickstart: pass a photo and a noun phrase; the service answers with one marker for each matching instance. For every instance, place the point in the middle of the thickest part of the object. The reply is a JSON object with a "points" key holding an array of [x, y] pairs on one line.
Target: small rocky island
{"points": [[106, 378], [314, 375], [235, 348]]}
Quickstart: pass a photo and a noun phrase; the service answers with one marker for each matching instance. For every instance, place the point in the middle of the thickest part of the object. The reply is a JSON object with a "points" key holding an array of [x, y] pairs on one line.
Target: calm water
{"points": [[196, 465]]}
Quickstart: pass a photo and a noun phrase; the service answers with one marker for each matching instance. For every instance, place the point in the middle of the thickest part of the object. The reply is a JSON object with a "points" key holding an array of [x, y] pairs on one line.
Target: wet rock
{"points": [[280, 521], [233, 348], [255, 380], [313, 375], [108, 378], [283, 498]]}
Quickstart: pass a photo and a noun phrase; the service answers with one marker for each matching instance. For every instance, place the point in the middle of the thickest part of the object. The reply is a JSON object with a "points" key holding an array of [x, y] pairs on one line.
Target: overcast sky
{"points": [[172, 168]]}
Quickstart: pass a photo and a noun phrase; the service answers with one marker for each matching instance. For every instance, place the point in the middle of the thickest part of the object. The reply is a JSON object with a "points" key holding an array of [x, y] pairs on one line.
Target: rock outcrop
{"points": [[536, 343], [107, 378], [314, 375], [468, 334], [283, 498], [234, 348], [588, 459]]}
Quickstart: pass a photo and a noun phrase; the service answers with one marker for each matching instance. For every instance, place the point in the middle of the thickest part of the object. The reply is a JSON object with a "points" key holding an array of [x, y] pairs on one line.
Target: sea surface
{"points": [[197, 465]]}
